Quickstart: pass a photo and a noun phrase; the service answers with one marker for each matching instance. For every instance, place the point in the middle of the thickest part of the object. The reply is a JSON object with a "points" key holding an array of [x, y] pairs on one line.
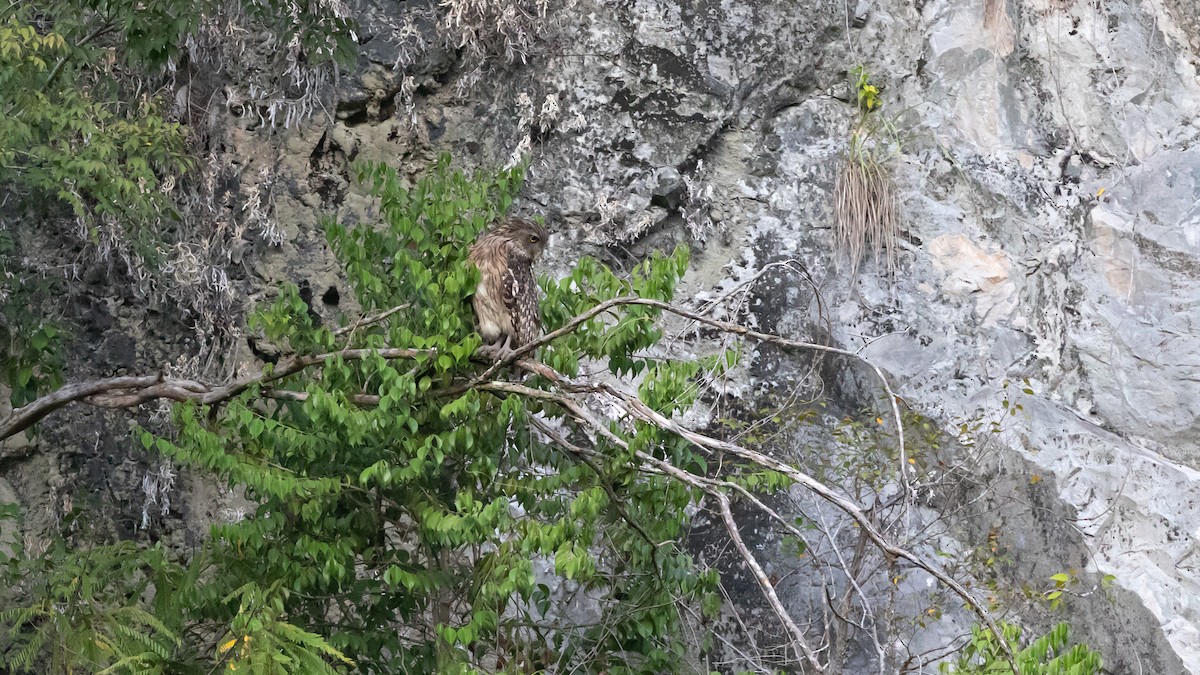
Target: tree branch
{"points": [[641, 411], [126, 392], [725, 326], [579, 413]]}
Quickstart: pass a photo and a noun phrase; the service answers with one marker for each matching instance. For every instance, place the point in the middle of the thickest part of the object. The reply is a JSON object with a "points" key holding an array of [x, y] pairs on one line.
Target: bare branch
{"points": [[768, 338], [764, 582], [736, 329], [641, 411], [725, 326], [579, 413], [368, 320], [126, 392]]}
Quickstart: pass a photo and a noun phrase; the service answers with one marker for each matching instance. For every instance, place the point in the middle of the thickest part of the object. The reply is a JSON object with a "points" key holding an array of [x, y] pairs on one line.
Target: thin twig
{"points": [[366, 321], [643, 412], [579, 413]]}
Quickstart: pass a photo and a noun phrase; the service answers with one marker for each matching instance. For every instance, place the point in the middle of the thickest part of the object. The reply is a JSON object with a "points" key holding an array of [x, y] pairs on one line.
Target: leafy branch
{"points": [[126, 392]]}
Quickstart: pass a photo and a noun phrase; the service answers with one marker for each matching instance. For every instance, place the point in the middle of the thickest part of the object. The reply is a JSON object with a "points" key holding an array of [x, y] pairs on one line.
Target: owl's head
{"points": [[528, 239]]}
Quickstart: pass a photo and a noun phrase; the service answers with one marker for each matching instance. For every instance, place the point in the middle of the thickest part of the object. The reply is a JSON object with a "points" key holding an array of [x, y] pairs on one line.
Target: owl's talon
{"points": [[496, 352]]}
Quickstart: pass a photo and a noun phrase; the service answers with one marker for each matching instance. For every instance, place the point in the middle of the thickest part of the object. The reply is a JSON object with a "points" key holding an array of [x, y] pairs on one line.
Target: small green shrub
{"points": [[1047, 655]]}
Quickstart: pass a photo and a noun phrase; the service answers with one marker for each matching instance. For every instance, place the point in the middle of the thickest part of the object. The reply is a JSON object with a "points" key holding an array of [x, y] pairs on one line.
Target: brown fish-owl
{"points": [[506, 300]]}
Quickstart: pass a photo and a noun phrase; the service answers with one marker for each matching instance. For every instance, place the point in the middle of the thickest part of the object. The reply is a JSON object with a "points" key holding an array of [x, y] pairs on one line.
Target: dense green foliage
{"points": [[1047, 655], [424, 517], [88, 614], [65, 130], [431, 528]]}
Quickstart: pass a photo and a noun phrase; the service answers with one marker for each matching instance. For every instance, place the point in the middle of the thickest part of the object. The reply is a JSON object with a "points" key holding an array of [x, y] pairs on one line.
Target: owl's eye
{"points": [[533, 238]]}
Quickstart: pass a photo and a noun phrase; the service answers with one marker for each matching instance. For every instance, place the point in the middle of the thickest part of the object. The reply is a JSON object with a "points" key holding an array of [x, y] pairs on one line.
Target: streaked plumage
{"points": [[506, 300]]}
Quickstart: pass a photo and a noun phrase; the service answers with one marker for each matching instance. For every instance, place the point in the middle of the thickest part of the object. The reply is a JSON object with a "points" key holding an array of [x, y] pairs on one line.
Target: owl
{"points": [[506, 300]]}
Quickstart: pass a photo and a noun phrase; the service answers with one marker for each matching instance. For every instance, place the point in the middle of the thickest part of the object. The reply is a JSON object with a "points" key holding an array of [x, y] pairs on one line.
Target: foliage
{"points": [[867, 93], [65, 132], [258, 643], [1062, 580], [425, 531], [33, 359], [1066, 584], [433, 528], [1047, 655], [29, 342], [87, 612]]}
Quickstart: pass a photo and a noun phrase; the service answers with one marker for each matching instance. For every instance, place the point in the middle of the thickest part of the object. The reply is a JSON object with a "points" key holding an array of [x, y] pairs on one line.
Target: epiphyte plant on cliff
{"points": [[866, 208], [418, 510]]}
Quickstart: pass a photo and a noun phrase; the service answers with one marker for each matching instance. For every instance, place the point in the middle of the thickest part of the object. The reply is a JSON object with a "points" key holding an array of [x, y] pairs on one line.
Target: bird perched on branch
{"points": [[506, 300]]}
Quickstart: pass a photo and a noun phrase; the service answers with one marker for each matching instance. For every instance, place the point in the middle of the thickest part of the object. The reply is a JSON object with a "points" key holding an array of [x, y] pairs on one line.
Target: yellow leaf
{"points": [[878, 420], [227, 646], [1035, 479], [1099, 192], [911, 460]]}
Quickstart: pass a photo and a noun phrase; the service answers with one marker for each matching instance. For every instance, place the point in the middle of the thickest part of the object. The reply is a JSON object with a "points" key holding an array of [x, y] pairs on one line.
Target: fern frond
{"points": [[25, 657], [128, 664], [312, 641]]}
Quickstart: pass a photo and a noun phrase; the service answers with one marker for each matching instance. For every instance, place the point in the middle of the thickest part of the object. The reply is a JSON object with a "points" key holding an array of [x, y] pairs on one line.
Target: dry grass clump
{"points": [[866, 209], [500, 27]]}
